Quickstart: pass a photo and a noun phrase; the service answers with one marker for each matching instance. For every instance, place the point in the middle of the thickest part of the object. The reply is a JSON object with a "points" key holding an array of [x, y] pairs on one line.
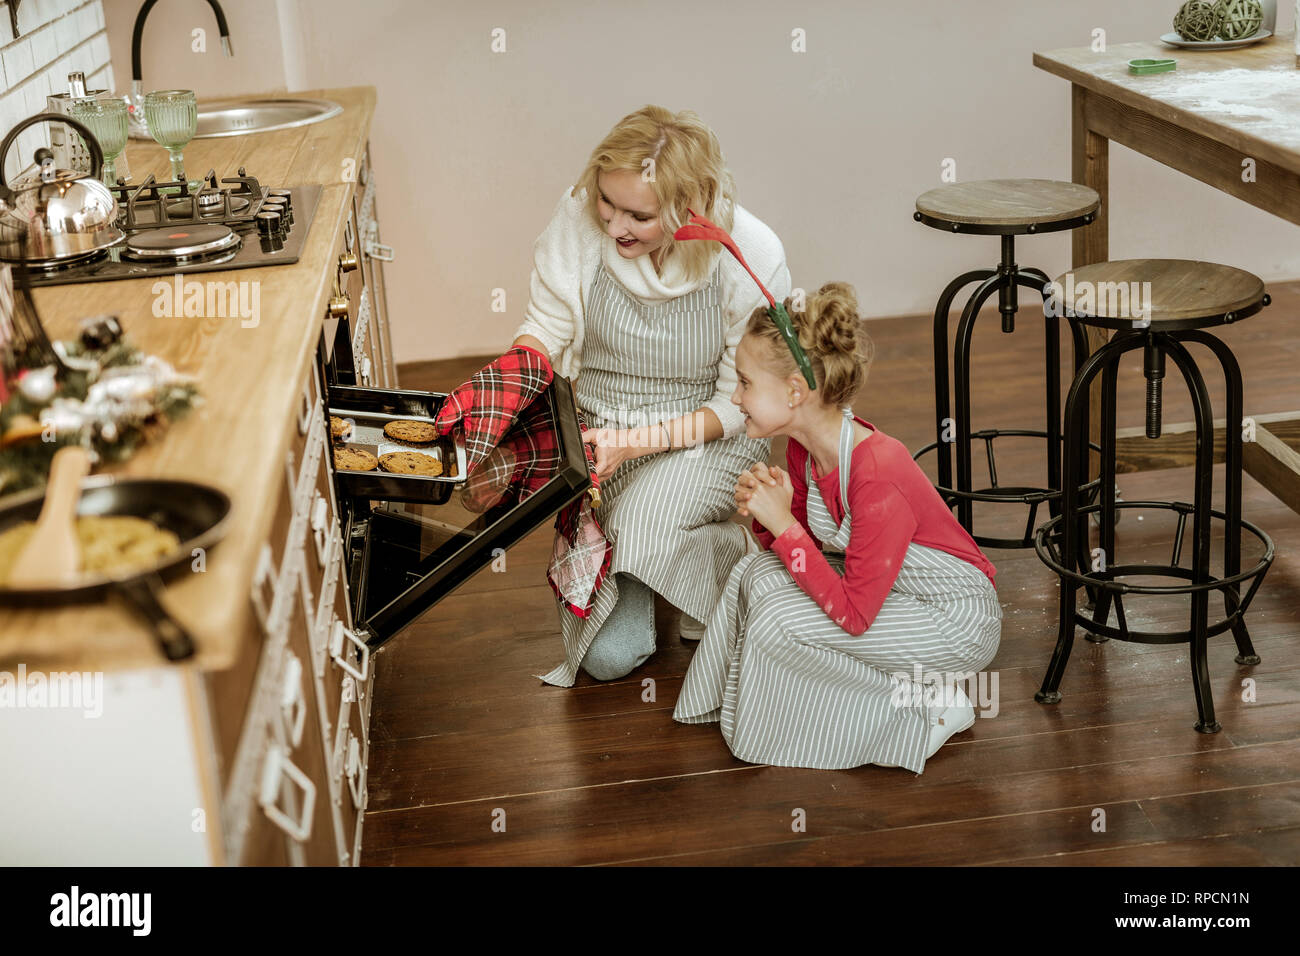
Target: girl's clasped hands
{"points": [[765, 493]]}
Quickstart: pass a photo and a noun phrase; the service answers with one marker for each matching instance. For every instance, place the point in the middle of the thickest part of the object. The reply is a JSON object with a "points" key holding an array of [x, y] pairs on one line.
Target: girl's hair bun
{"points": [[832, 319], [832, 334]]}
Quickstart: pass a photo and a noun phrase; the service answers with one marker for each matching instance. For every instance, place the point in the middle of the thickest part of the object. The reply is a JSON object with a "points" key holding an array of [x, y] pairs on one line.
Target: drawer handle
{"points": [[356, 774], [264, 575], [377, 250], [320, 515], [304, 414], [278, 765], [293, 706], [339, 634], [347, 698]]}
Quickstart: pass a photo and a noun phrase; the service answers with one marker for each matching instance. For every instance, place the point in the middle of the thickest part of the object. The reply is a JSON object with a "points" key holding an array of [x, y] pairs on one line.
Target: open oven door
{"points": [[408, 543]]}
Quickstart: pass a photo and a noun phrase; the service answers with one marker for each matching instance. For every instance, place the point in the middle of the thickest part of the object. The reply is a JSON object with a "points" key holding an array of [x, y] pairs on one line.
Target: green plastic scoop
{"points": [[1151, 66]]}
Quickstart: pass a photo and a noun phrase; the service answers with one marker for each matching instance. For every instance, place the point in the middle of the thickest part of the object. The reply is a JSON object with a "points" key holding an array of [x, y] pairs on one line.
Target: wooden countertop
{"points": [[249, 379], [1246, 98]]}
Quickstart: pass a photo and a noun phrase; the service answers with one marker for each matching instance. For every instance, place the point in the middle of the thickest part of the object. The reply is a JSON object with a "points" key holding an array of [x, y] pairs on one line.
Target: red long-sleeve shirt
{"points": [[892, 504]]}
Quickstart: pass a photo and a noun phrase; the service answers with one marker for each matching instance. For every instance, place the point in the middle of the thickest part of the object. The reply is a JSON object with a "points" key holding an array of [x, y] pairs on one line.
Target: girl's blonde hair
{"points": [[688, 170], [831, 333]]}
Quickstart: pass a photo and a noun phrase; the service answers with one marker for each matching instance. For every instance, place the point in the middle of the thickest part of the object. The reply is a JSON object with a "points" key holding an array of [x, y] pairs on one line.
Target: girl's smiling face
{"points": [[761, 394], [630, 212]]}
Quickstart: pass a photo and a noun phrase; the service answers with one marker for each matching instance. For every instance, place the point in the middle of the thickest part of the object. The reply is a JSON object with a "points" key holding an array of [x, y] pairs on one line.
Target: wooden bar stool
{"points": [[1006, 208], [1176, 300]]}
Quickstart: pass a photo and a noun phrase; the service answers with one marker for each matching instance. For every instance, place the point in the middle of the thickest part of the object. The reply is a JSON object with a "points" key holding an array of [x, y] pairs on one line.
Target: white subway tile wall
{"points": [[56, 37]]}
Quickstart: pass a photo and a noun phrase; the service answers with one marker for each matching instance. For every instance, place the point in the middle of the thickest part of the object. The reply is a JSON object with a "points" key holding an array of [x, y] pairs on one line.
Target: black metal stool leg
{"points": [[1232, 487], [1204, 476], [1074, 468], [961, 383], [941, 387], [1106, 532]]}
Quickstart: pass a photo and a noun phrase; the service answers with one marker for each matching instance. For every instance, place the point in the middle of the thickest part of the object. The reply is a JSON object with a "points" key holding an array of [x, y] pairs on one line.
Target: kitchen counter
{"points": [[248, 378]]}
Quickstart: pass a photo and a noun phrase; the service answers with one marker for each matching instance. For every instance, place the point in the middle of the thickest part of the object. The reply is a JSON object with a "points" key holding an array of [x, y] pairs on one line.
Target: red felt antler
{"points": [[700, 228]]}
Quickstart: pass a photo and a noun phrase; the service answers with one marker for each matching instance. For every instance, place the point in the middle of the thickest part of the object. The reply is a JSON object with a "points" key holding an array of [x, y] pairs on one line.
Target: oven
{"points": [[410, 539]]}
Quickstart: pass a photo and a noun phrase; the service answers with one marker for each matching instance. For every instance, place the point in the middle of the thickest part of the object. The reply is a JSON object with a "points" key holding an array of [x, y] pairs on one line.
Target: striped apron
{"points": [[666, 513], [793, 689]]}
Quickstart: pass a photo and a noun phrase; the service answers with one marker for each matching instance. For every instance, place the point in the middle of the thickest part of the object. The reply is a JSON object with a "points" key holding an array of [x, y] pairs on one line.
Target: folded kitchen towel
{"points": [[582, 554]]}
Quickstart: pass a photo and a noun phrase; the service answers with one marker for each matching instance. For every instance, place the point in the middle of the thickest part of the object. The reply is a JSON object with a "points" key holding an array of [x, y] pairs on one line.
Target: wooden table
{"points": [[1228, 118]]}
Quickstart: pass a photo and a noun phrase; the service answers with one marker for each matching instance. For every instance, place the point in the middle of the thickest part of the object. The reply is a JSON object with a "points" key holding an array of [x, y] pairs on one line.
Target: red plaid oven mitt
{"points": [[488, 405], [582, 554], [521, 463]]}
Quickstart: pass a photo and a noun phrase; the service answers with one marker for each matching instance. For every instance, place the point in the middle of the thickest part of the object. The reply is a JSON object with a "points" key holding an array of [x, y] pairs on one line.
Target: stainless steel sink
{"points": [[237, 117]]}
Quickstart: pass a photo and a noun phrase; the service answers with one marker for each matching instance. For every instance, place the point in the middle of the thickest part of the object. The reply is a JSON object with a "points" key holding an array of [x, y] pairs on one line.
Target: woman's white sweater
{"points": [[571, 249]]}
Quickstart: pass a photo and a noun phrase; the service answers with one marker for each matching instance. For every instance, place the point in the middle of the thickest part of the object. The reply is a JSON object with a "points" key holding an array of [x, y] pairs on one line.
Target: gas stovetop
{"points": [[172, 228]]}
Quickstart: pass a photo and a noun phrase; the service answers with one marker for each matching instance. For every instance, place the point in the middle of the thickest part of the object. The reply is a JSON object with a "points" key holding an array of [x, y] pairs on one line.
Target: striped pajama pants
{"points": [[793, 689]]}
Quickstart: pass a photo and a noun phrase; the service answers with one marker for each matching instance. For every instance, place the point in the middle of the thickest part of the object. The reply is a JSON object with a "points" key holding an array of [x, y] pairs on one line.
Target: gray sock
{"points": [[627, 637]]}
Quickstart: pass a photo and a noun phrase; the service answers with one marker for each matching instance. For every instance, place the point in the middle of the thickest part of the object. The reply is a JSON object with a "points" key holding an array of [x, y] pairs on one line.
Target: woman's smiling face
{"points": [[760, 392], [630, 211]]}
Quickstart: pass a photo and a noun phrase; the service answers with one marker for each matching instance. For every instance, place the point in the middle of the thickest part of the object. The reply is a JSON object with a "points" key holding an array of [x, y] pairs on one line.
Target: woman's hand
{"points": [[766, 493], [613, 447]]}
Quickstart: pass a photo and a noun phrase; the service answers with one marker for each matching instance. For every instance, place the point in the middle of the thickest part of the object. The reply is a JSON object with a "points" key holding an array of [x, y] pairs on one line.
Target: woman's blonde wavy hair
{"points": [[688, 171]]}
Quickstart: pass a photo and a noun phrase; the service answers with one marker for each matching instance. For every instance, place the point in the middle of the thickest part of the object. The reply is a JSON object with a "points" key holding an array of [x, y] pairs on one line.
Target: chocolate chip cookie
{"points": [[417, 433], [410, 463], [339, 427], [354, 459]]}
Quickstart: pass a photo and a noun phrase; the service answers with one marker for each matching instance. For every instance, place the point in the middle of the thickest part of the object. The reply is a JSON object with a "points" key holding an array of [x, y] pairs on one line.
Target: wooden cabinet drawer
{"points": [[299, 731]]}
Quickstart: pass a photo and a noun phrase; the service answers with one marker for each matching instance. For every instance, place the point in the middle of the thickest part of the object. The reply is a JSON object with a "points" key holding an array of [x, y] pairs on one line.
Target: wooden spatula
{"points": [[52, 557]]}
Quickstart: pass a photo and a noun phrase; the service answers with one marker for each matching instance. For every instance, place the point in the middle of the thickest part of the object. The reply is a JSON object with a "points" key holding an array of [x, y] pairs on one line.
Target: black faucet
{"points": [[137, 34]]}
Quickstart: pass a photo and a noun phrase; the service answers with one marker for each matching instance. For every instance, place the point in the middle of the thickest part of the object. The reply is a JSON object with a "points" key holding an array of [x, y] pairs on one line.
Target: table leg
{"points": [[1090, 165]]}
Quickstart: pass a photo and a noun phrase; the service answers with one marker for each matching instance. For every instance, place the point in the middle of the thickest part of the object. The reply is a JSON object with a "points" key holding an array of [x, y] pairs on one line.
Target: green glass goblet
{"points": [[172, 117], [106, 117]]}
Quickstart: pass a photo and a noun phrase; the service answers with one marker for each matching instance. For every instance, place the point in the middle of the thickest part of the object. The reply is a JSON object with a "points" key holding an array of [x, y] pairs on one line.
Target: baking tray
{"points": [[369, 410]]}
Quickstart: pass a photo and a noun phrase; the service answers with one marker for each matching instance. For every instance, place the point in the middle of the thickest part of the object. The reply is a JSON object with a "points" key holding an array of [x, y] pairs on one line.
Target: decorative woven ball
{"points": [[1198, 20], [1239, 19]]}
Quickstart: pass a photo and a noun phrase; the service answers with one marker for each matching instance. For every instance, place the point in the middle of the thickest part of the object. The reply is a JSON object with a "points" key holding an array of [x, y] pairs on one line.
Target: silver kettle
{"points": [[58, 213]]}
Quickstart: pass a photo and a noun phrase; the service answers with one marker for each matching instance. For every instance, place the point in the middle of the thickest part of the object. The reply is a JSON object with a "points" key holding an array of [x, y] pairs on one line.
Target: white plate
{"points": [[1173, 39]]}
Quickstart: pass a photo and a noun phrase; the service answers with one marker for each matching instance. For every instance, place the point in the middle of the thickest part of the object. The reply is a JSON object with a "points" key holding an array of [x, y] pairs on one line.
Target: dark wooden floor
{"points": [[598, 774]]}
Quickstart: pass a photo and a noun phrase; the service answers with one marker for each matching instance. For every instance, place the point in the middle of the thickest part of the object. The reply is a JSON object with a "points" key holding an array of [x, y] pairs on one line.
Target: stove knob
{"points": [[278, 206], [348, 262], [282, 194], [268, 223], [339, 305]]}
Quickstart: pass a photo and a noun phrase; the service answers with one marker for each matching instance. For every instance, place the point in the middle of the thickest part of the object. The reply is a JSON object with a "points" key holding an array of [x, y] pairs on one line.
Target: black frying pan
{"points": [[195, 513]]}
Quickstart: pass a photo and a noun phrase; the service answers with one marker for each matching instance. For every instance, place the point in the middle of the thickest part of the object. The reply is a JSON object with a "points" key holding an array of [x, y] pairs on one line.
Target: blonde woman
{"points": [[647, 328]]}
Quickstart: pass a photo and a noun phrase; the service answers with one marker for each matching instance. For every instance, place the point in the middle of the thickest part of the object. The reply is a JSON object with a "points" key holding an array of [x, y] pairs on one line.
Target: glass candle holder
{"points": [[106, 117], [172, 117]]}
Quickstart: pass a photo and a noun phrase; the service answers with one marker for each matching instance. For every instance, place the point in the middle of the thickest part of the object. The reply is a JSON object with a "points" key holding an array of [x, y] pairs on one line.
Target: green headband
{"points": [[701, 228]]}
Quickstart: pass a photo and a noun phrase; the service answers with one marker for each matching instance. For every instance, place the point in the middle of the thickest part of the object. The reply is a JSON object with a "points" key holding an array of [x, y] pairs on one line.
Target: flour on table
{"points": [[1267, 100]]}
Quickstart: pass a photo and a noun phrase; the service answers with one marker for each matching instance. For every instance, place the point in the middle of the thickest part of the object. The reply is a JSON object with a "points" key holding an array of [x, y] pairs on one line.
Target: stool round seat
{"points": [[1008, 207], [1182, 294]]}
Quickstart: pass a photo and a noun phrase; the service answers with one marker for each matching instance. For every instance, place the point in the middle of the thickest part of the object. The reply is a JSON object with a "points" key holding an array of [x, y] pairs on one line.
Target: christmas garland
{"points": [[111, 399]]}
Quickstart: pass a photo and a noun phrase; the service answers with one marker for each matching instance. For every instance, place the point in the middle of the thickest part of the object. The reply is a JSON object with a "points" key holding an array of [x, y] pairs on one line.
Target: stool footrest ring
{"points": [[1046, 543], [1030, 497]]}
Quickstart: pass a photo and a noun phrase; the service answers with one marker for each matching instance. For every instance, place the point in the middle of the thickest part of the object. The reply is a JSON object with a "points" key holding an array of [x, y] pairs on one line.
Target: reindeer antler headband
{"points": [[700, 228]]}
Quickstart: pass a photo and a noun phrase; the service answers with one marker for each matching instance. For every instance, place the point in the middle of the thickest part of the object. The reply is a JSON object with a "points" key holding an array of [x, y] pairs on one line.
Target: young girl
{"points": [[866, 582]]}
